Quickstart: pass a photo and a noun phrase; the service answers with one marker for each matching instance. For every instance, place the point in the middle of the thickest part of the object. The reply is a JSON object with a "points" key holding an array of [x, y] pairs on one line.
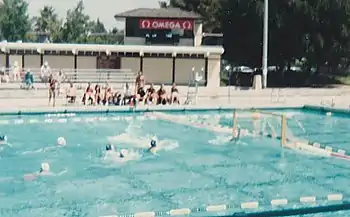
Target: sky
{"points": [[102, 9]]}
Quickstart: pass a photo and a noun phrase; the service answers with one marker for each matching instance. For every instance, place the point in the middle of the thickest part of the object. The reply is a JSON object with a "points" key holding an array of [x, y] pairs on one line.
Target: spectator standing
{"points": [[127, 94], [71, 94], [45, 72], [140, 81], [61, 77], [52, 90], [28, 80], [16, 72], [4, 77]]}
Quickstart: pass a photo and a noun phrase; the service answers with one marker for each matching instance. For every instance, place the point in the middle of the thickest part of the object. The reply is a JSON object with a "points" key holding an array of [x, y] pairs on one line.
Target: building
{"points": [[160, 63], [170, 26]]}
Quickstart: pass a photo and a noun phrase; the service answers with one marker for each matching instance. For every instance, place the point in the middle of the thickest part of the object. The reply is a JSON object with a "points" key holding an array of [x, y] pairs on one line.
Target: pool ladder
{"points": [[328, 103], [192, 89]]}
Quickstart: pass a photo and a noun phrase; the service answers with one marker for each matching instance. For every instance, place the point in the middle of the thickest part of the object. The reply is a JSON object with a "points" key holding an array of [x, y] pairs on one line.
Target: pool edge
{"points": [[47, 110], [327, 109]]}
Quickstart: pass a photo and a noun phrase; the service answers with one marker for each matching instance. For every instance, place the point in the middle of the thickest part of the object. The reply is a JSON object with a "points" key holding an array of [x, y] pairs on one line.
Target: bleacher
{"points": [[83, 76], [80, 77]]}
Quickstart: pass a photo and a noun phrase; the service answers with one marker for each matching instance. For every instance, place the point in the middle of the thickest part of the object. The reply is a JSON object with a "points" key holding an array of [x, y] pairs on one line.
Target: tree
{"points": [[97, 27], [163, 4], [210, 10], [14, 20], [49, 23], [316, 31], [76, 26]]}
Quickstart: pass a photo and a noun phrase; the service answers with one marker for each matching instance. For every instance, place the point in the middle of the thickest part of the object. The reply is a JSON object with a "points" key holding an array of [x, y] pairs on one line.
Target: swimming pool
{"points": [[195, 168]]}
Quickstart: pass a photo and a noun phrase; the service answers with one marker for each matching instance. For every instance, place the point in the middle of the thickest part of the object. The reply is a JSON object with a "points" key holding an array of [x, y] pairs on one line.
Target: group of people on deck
{"points": [[98, 95], [153, 96]]}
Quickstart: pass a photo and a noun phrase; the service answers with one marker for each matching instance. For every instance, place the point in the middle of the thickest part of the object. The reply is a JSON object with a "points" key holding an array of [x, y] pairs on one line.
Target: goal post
{"points": [[258, 115]]}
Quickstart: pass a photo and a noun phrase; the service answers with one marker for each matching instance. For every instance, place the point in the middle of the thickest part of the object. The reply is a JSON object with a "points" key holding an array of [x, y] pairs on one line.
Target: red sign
{"points": [[165, 24]]}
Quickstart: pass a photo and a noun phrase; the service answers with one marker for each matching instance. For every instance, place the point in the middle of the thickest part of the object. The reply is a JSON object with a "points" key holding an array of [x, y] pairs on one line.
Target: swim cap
{"points": [[153, 143], [61, 141], [3, 138], [108, 147], [45, 167]]}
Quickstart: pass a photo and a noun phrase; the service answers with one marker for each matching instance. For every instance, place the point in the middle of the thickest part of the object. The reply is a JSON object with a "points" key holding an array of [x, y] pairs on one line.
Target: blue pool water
{"points": [[195, 168]]}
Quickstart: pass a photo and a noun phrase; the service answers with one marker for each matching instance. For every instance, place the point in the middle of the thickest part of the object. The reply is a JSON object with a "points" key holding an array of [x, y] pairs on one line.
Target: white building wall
{"points": [[158, 70], [14, 58], [183, 70], [141, 41], [86, 62], [198, 34], [32, 62], [60, 62], [186, 42], [214, 71], [2, 60], [132, 63]]}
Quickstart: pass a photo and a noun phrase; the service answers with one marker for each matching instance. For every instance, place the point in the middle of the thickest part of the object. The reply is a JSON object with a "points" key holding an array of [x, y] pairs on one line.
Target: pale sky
{"points": [[103, 9]]}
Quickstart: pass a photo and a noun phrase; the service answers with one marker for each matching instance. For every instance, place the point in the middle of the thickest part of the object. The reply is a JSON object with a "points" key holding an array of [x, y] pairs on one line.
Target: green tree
{"points": [[328, 33], [76, 26], [14, 20], [163, 4], [97, 27], [210, 10], [49, 23]]}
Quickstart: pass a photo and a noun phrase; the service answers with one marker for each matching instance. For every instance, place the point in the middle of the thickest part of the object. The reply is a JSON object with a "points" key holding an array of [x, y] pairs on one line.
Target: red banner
{"points": [[165, 24]]}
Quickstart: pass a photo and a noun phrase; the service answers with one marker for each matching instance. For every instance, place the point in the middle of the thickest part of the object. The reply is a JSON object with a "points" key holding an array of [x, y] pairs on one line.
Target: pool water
{"points": [[194, 168]]}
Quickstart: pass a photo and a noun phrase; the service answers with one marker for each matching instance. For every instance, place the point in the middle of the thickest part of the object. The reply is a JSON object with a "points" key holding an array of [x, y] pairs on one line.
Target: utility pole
{"points": [[265, 44]]}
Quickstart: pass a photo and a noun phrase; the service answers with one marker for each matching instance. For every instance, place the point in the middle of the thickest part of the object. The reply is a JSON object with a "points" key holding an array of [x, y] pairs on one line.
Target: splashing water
{"points": [[114, 156], [132, 138], [220, 140]]}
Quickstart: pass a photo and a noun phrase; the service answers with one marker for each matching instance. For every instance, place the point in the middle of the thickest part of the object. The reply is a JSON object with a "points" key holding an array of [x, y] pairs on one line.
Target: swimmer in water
{"points": [[153, 145], [3, 139], [110, 151], [123, 153], [44, 169], [109, 147]]}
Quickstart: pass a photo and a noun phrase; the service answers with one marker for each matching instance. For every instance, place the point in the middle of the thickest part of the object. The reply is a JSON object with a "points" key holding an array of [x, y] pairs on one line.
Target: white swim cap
{"points": [[329, 113], [45, 167], [154, 138], [61, 141]]}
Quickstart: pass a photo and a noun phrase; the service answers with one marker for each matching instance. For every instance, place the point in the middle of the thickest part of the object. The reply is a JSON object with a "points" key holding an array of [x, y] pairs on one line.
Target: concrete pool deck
{"points": [[293, 97]]}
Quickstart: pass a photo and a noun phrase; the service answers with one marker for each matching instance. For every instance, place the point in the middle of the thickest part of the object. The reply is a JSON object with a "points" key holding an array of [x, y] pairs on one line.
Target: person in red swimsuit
{"points": [[89, 95], [52, 90]]}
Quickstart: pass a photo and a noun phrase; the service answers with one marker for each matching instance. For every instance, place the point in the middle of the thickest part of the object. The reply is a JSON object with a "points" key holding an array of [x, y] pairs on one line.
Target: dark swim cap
{"points": [[108, 147], [153, 143]]}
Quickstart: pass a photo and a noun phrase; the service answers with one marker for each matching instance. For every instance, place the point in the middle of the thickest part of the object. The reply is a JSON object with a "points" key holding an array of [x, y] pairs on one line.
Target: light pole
{"points": [[228, 69], [265, 43]]}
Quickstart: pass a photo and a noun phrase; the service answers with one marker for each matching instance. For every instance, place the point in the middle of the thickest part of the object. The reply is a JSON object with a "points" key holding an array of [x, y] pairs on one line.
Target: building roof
{"points": [[41, 47], [159, 13]]}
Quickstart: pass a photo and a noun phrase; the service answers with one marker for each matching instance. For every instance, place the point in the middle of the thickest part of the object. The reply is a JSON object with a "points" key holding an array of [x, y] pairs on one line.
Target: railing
{"points": [[77, 75], [328, 103], [278, 95]]}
